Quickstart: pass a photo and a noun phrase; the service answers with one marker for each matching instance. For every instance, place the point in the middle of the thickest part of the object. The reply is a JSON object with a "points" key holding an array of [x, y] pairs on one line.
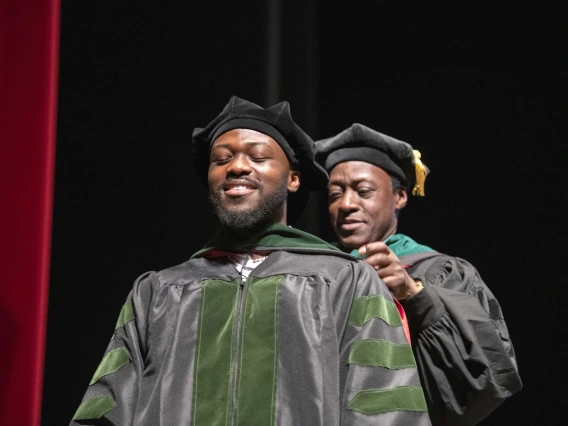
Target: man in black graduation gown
{"points": [[266, 325], [465, 358]]}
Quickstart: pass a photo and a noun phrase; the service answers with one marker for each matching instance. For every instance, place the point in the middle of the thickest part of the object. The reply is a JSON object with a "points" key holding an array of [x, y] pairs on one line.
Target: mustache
{"points": [[241, 179]]}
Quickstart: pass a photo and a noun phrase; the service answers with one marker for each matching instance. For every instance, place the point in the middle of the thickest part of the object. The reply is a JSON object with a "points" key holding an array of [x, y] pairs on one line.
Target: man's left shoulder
{"points": [[326, 262], [434, 259]]}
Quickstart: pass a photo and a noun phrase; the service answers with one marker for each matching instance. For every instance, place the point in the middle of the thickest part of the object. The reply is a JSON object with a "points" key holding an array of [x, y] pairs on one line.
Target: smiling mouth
{"points": [[350, 226], [238, 188]]}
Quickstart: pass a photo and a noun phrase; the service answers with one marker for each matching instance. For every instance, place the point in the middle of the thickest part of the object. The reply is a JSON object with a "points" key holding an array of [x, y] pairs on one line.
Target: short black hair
{"points": [[397, 183]]}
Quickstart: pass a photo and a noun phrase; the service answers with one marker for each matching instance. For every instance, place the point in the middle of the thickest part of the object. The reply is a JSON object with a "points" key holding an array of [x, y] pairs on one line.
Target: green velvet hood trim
{"points": [[401, 245], [274, 237]]}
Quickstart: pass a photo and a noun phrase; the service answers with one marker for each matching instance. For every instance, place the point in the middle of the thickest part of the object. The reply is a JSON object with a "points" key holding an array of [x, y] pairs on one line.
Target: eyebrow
{"points": [[356, 181], [228, 146]]}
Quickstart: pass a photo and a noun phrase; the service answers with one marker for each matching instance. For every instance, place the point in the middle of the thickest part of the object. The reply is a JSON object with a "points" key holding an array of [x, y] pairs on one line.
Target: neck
{"points": [[389, 234], [240, 234], [348, 248]]}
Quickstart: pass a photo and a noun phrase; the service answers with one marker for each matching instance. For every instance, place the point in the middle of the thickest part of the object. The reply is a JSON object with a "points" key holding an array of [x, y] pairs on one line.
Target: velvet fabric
{"points": [[273, 236], [361, 143], [275, 122], [208, 348], [459, 337], [401, 245]]}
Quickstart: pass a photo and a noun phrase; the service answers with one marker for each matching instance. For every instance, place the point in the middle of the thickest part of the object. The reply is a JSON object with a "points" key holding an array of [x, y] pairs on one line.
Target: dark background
{"points": [[478, 86]]}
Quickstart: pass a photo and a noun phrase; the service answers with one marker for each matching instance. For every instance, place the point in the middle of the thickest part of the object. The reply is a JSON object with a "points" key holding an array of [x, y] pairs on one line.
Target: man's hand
{"points": [[390, 269]]}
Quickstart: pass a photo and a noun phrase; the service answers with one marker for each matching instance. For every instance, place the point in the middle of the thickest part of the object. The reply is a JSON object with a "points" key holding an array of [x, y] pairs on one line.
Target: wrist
{"points": [[413, 288]]}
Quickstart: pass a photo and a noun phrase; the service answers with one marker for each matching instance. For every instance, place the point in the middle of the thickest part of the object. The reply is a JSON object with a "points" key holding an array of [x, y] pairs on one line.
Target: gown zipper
{"points": [[236, 346]]}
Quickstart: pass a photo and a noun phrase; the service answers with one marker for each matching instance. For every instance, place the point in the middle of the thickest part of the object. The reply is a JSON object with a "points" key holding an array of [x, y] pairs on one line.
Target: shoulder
{"points": [[446, 271], [343, 269], [435, 261], [344, 274], [186, 271], [183, 273], [314, 262]]}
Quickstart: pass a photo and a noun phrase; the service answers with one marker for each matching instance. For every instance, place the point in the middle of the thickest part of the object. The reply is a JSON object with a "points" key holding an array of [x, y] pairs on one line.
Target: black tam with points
{"points": [[275, 122], [361, 143]]}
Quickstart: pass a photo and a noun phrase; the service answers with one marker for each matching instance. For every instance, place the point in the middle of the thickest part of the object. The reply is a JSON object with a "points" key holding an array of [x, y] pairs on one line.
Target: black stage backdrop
{"points": [[478, 86]]}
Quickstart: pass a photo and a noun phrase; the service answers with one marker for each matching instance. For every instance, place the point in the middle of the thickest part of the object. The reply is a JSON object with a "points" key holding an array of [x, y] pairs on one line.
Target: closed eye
{"points": [[220, 160], [334, 195]]}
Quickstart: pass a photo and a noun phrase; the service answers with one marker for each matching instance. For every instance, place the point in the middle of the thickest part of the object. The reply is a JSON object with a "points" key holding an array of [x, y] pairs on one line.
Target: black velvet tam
{"points": [[275, 122], [361, 143]]}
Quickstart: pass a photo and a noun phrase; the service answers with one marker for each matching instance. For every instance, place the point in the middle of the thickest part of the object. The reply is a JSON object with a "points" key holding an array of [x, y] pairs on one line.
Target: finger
{"points": [[397, 287], [380, 260], [388, 271], [372, 248]]}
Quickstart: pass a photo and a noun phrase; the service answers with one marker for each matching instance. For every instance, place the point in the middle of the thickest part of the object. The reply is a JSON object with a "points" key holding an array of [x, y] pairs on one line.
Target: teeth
{"points": [[238, 187]]}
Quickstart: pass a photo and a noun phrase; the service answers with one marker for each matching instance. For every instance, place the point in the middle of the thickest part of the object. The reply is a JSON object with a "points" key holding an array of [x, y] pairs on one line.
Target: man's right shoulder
{"points": [[182, 274]]}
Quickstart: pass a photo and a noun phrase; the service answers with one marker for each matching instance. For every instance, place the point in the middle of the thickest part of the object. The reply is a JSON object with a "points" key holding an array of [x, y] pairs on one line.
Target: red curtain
{"points": [[29, 47]]}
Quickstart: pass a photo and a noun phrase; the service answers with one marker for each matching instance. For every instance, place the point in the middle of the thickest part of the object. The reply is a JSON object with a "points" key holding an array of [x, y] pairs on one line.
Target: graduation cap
{"points": [[275, 122], [361, 143]]}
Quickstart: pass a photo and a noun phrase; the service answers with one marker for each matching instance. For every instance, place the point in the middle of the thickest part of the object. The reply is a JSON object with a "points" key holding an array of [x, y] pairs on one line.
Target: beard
{"points": [[253, 217]]}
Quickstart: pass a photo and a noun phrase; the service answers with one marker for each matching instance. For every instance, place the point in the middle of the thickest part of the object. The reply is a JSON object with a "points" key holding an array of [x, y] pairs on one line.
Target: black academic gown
{"points": [[460, 340]]}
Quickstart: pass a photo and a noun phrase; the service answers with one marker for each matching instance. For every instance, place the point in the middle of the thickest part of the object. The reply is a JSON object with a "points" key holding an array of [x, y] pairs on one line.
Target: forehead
{"points": [[245, 137], [356, 171]]}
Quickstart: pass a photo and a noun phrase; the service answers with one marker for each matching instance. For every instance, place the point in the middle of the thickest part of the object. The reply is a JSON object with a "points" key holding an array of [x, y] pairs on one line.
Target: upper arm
{"points": [[113, 389], [380, 380]]}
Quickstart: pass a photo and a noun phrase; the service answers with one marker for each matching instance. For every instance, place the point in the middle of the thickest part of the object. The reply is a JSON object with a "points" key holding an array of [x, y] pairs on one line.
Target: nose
{"points": [[239, 166], [348, 201]]}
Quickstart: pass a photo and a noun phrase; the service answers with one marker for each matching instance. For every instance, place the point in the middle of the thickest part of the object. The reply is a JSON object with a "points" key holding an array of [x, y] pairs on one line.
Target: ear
{"points": [[400, 198], [293, 181]]}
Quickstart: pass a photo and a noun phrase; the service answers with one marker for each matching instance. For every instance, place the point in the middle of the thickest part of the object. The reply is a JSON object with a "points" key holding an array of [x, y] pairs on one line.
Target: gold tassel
{"points": [[421, 173]]}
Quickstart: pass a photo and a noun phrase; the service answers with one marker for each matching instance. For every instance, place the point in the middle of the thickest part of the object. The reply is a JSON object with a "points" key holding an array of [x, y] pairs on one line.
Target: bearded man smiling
{"points": [[266, 325]]}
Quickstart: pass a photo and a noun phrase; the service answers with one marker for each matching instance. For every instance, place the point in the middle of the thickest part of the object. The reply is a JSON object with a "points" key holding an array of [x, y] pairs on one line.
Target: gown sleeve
{"points": [[111, 397], [461, 343], [379, 381]]}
